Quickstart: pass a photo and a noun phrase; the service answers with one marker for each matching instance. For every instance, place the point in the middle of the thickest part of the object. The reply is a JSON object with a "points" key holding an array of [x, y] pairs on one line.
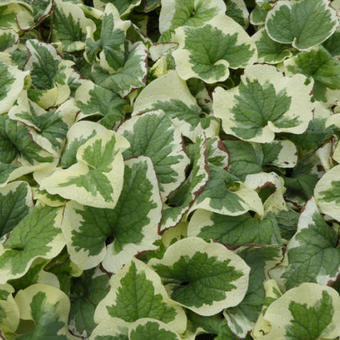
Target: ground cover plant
{"points": [[169, 169]]}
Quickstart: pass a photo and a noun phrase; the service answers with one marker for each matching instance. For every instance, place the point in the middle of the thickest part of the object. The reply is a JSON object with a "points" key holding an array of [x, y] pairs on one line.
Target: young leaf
{"points": [[217, 153], [8, 38], [130, 76], [224, 195], [203, 277], [11, 172], [237, 10], [77, 135], [41, 9], [181, 200], [270, 187], [16, 15], [49, 127], [16, 142], [96, 100], [241, 319], [110, 46], [49, 74], [317, 133], [243, 158]]}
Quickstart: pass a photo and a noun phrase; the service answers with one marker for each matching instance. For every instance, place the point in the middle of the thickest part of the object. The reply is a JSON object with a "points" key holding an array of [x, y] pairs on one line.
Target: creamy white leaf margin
{"points": [[54, 298], [296, 25], [300, 108], [175, 168], [110, 11], [113, 259], [100, 5], [272, 293], [157, 327], [101, 314], [305, 221], [190, 246], [23, 14], [170, 7], [70, 10], [329, 206], [66, 112], [78, 134], [168, 88], [61, 181], [15, 260], [10, 172], [275, 202], [193, 185], [279, 316], [288, 155], [113, 327], [61, 91], [12, 80], [228, 27], [10, 322], [247, 198]]}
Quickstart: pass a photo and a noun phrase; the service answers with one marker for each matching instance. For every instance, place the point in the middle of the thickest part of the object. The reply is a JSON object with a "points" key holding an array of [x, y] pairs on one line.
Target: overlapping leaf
{"points": [[265, 102], [308, 311], [313, 255], [9, 311], [327, 193], [304, 23], [155, 183], [132, 225], [153, 135], [49, 74], [182, 199], [208, 52], [97, 177], [176, 13], [204, 277], [38, 235], [48, 308], [16, 202], [137, 292], [171, 95]]}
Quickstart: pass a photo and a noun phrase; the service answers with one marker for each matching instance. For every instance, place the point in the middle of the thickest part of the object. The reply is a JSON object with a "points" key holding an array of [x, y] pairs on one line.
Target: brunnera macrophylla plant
{"points": [[169, 169]]}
